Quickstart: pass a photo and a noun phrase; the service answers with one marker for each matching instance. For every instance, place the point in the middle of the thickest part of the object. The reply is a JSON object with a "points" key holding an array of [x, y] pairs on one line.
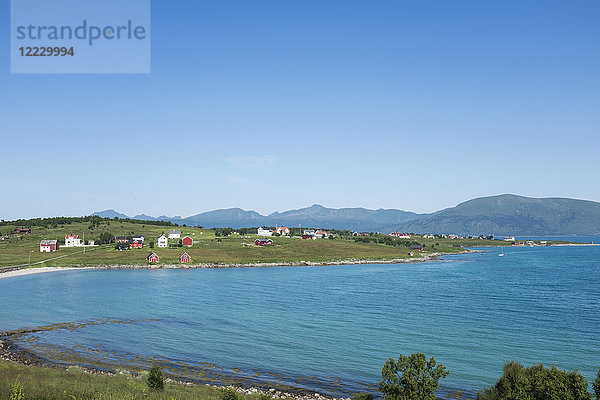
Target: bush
{"points": [[230, 394], [596, 384], [411, 378], [122, 246], [363, 396], [264, 396], [536, 382], [155, 379]]}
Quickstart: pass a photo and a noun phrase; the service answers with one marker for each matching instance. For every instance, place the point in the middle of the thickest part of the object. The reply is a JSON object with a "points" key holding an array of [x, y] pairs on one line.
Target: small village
{"points": [[173, 239], [219, 244]]}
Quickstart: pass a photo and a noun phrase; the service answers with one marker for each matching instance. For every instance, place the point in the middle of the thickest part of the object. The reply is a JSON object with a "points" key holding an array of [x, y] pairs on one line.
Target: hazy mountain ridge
{"points": [[498, 215], [513, 215]]}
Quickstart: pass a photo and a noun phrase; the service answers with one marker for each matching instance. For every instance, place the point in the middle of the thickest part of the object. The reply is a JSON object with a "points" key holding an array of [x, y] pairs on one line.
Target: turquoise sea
{"points": [[328, 329]]}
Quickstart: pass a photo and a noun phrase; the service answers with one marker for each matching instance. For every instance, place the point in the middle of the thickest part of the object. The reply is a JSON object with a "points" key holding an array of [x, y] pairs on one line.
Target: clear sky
{"points": [[273, 105]]}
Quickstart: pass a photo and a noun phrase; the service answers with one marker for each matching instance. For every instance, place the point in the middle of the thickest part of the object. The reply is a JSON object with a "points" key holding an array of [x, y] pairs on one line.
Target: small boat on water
{"points": [[501, 253]]}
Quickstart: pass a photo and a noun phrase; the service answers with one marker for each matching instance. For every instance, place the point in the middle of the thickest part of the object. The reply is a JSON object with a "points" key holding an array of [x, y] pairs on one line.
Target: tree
{"points": [[596, 385], [411, 378], [536, 382], [106, 238], [155, 379], [122, 246], [151, 244]]}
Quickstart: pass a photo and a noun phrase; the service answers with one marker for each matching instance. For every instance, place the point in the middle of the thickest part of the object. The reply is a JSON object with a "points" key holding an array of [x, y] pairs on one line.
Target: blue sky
{"points": [[272, 105]]}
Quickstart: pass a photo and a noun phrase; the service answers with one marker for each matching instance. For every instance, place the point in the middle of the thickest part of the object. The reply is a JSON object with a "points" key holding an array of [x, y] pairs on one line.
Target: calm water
{"points": [[325, 328]]}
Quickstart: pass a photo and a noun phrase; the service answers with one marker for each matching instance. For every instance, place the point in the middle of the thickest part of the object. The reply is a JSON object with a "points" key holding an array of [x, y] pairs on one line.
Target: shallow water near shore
{"points": [[329, 328]]}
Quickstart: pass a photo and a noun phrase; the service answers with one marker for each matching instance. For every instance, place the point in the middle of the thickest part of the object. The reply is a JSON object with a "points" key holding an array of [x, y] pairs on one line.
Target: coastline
{"points": [[11, 352], [37, 270]]}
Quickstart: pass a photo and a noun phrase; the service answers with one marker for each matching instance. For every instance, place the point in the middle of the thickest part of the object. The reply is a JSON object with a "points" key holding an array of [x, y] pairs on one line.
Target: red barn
{"points": [[187, 241], [153, 258], [184, 258]]}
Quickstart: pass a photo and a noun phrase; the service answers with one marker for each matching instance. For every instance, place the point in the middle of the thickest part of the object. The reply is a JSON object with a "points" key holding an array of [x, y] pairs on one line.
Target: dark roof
{"points": [[416, 246]]}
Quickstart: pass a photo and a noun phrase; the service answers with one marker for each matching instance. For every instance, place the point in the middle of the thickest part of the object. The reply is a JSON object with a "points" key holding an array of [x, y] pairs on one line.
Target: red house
{"points": [[263, 242], [184, 258], [187, 241], [153, 258], [46, 246], [121, 239], [134, 244]]}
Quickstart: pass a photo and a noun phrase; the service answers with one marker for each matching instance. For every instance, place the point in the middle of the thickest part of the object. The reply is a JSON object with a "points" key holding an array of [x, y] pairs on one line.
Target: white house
{"points": [[174, 234], [509, 238], [72, 241], [400, 235], [322, 234], [309, 232], [162, 241], [138, 238], [264, 232], [282, 230]]}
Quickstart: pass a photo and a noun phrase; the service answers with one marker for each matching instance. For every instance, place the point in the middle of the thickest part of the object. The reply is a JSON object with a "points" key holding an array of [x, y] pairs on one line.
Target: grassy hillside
{"points": [[207, 248]]}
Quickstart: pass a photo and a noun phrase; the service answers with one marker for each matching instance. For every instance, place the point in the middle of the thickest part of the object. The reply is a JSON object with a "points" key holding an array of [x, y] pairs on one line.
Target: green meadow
{"points": [[23, 249], [73, 384]]}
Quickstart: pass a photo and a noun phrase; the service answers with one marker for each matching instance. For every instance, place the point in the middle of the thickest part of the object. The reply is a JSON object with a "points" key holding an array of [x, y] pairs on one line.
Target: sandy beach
{"points": [[40, 270]]}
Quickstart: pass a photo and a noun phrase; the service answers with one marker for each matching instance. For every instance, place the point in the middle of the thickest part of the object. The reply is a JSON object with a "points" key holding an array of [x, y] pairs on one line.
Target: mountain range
{"points": [[498, 215]]}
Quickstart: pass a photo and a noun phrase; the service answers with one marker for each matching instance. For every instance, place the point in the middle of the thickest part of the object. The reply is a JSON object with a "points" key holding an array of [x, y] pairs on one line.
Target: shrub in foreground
{"points": [[363, 396], [537, 383], [596, 384], [411, 378], [155, 379], [230, 394], [264, 396]]}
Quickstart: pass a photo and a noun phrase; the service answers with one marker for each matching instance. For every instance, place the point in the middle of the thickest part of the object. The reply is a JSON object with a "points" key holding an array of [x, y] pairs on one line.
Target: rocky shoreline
{"points": [[12, 353]]}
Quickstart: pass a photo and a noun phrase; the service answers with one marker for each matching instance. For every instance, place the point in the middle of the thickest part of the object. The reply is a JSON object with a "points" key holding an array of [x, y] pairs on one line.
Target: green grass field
{"points": [[41, 383], [24, 249]]}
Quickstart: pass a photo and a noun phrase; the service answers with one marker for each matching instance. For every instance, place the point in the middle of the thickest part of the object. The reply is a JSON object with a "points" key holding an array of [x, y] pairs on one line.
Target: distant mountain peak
{"points": [[110, 213], [504, 214]]}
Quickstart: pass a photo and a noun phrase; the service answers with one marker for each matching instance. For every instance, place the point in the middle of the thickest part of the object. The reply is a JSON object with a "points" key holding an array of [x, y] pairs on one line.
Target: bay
{"points": [[329, 328]]}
